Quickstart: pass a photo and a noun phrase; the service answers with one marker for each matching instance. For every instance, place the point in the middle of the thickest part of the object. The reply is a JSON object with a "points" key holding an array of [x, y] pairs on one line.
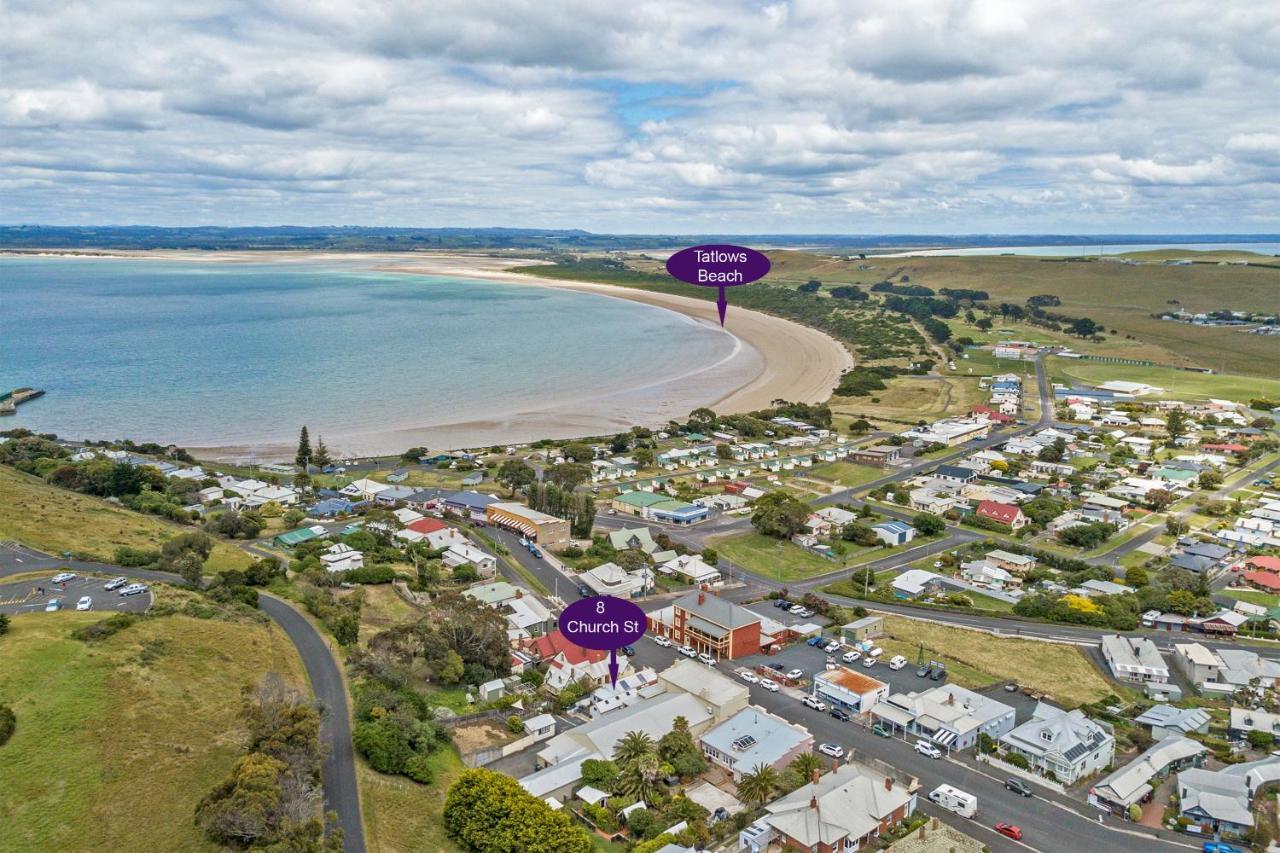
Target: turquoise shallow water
{"points": [[222, 354]]}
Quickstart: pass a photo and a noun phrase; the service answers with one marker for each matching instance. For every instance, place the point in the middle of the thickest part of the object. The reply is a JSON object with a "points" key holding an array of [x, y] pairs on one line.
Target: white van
{"points": [[953, 799], [898, 662], [875, 653]]}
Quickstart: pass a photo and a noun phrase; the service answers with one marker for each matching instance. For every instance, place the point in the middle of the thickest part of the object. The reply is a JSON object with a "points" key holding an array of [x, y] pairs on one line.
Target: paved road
{"points": [[339, 771]]}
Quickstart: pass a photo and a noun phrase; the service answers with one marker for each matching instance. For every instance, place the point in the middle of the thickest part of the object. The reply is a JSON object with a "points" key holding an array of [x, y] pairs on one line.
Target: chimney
{"points": [[815, 776], [935, 823], [519, 593], [702, 597], [951, 698], [813, 802], [922, 834], [888, 783]]}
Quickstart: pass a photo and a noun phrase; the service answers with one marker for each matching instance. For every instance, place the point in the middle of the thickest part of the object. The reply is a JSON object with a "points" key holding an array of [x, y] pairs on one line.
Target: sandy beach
{"points": [[776, 359]]}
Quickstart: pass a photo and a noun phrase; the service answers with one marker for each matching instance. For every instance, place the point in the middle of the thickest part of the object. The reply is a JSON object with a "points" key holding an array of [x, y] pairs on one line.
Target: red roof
{"points": [[426, 525], [1271, 564], [1004, 513], [991, 414], [1225, 448], [549, 645], [1268, 580]]}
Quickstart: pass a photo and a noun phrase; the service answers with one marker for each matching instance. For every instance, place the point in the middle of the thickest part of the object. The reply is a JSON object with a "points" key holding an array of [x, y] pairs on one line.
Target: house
{"points": [[842, 811], [637, 538], [710, 624], [567, 662], [878, 455], [1222, 623], [530, 523], [1266, 581], [468, 504], [1224, 671], [658, 507], [1067, 744], [527, 617], [341, 558], [846, 688], [894, 533], [1166, 721], [1104, 508], [1019, 564], [1245, 720], [302, 534], [721, 695], [364, 489], [937, 837], [486, 565], [1128, 785], [1134, 659], [951, 716], [1006, 514], [1267, 564], [933, 501], [754, 737], [692, 567], [392, 495], [984, 573], [951, 432], [1094, 587], [914, 583], [405, 515], [1215, 801], [612, 579], [495, 594], [955, 474]]}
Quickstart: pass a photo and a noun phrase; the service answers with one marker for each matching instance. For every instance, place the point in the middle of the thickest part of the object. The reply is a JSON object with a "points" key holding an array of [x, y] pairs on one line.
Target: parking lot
{"points": [[25, 597]]}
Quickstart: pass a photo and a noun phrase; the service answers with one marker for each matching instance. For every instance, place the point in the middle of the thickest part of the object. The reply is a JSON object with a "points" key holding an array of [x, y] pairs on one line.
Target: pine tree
{"points": [[304, 449], [320, 456]]}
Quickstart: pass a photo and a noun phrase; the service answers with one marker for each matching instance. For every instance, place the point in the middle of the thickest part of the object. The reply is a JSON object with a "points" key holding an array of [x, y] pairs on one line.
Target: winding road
{"points": [[341, 793]]}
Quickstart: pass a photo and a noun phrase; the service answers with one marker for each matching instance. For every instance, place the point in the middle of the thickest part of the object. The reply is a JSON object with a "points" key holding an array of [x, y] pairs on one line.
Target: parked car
{"points": [[115, 583], [769, 684], [795, 609], [832, 750], [1220, 847], [707, 659], [938, 673], [850, 657], [813, 641], [585, 591], [868, 662], [922, 671], [63, 577], [688, 651], [781, 602], [805, 613], [841, 714], [84, 603], [833, 646], [795, 674], [881, 731], [813, 703], [1011, 687], [749, 676], [1010, 830], [535, 551], [1018, 787], [54, 605], [924, 747], [898, 662], [134, 589], [662, 641], [629, 651]]}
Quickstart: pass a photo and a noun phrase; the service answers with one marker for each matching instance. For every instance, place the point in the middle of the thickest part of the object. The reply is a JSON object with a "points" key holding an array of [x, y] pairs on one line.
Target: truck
{"points": [[955, 800]]}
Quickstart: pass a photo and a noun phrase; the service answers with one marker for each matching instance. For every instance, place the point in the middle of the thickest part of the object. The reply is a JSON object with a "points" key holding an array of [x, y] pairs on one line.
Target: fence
{"points": [[1020, 773]]}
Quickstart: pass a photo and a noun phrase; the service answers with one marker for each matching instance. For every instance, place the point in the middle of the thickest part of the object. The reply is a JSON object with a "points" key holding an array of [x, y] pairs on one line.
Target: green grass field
{"points": [[844, 473], [1176, 384], [1265, 599], [773, 558], [57, 520], [402, 816], [114, 747]]}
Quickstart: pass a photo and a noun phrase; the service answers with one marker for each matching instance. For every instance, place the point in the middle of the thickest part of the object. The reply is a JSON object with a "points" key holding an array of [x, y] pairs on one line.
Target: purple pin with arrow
{"points": [[718, 265], [603, 623]]}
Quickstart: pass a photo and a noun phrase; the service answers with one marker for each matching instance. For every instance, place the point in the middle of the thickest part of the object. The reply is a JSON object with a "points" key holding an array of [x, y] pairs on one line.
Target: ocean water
{"points": [[232, 354]]}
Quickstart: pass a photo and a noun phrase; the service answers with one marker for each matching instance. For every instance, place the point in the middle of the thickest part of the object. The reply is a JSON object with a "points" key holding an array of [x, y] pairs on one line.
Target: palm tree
{"points": [[633, 747], [805, 763], [757, 786], [640, 780]]}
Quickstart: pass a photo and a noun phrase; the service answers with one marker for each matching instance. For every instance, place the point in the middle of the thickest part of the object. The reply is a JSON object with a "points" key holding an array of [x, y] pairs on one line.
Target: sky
{"points": [[812, 116]]}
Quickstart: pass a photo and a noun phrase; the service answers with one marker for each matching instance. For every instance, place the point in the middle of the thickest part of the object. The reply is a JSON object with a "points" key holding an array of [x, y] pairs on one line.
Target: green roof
{"points": [[492, 593], [297, 537], [642, 499]]}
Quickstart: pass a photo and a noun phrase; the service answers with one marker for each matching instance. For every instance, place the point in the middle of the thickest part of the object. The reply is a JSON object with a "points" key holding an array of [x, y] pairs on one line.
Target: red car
{"points": [[1010, 830]]}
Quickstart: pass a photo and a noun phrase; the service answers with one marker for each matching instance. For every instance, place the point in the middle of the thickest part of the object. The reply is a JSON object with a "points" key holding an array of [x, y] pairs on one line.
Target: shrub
{"points": [[1017, 760], [104, 628], [384, 744], [8, 722], [418, 768]]}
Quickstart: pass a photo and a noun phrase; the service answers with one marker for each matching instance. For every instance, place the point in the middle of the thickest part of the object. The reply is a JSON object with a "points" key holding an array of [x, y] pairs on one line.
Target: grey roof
{"points": [[753, 736], [471, 500], [1052, 730], [956, 471], [1128, 784], [1207, 549], [1169, 717], [851, 802], [715, 609], [1220, 796]]}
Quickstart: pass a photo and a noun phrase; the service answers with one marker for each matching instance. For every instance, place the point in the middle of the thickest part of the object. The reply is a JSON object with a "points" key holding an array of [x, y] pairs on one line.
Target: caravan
{"points": [[953, 799]]}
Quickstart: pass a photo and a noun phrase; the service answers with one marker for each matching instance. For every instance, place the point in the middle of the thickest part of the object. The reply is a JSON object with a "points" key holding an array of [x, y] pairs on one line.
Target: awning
{"points": [[524, 527], [944, 737], [897, 716]]}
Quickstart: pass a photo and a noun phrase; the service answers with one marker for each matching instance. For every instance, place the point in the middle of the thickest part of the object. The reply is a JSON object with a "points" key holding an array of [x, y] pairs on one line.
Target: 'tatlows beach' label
{"points": [[718, 266]]}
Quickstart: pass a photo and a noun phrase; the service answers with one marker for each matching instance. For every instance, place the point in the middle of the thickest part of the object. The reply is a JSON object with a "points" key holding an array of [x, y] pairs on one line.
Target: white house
{"points": [[341, 558], [1066, 743], [466, 553]]}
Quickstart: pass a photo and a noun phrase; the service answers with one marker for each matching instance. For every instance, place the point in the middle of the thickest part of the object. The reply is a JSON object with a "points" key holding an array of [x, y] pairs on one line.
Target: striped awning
{"points": [[527, 528], [943, 737]]}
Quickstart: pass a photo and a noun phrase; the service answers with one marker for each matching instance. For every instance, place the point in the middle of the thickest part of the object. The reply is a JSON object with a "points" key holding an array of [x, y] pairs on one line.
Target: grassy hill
{"points": [[57, 520], [117, 741]]}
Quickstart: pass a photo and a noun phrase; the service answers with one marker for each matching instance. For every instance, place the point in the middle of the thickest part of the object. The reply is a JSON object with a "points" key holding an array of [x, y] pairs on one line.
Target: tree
{"points": [[1176, 423], [810, 286], [863, 579], [928, 524], [191, 567], [1159, 499], [568, 476], [756, 787], [1182, 602], [4, 623], [8, 722], [702, 416], [1083, 327], [1261, 740], [383, 743], [805, 764], [515, 474], [861, 426], [984, 324], [710, 556], [640, 778], [488, 812], [1136, 576], [240, 811], [1210, 479], [632, 747], [578, 451], [320, 455], [1175, 526], [303, 456], [779, 514]]}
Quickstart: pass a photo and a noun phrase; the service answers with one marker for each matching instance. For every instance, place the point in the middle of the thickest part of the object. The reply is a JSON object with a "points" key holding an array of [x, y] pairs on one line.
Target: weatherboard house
{"points": [[1066, 743]]}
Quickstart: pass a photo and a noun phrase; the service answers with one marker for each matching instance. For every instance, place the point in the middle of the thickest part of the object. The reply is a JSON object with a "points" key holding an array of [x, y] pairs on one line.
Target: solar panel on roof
{"points": [[744, 742]]}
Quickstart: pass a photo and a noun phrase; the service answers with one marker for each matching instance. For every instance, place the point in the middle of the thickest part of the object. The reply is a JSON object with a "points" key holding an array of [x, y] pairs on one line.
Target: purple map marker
{"points": [[720, 266], [603, 623]]}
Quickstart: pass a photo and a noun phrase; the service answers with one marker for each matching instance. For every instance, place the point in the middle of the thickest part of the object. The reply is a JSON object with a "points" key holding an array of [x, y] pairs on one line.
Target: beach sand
{"points": [[777, 359]]}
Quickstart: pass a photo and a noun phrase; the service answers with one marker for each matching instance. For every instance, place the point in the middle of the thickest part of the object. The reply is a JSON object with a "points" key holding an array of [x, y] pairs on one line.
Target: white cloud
{"points": [[662, 115]]}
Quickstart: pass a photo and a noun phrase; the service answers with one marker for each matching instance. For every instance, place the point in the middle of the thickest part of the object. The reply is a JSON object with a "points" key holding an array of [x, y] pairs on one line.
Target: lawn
{"points": [[1061, 671], [140, 726], [911, 398], [773, 558], [57, 520], [400, 815], [1253, 596], [1177, 384], [847, 474]]}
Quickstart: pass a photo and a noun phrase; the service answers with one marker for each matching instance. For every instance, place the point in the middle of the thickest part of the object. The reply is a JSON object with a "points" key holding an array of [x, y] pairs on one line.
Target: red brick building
{"points": [[710, 624]]}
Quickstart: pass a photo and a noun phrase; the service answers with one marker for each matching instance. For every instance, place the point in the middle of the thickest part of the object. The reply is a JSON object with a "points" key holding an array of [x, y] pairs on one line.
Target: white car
{"points": [[796, 609], [832, 750], [925, 748], [84, 603], [134, 589], [707, 659], [833, 646], [898, 662], [662, 641], [749, 676], [63, 577], [850, 657], [795, 674], [868, 662], [805, 613], [769, 684], [815, 704], [54, 605], [115, 583], [688, 651]]}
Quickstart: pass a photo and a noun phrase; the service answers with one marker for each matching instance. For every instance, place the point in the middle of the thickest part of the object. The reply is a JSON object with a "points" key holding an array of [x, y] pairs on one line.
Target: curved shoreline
{"points": [[773, 359]]}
